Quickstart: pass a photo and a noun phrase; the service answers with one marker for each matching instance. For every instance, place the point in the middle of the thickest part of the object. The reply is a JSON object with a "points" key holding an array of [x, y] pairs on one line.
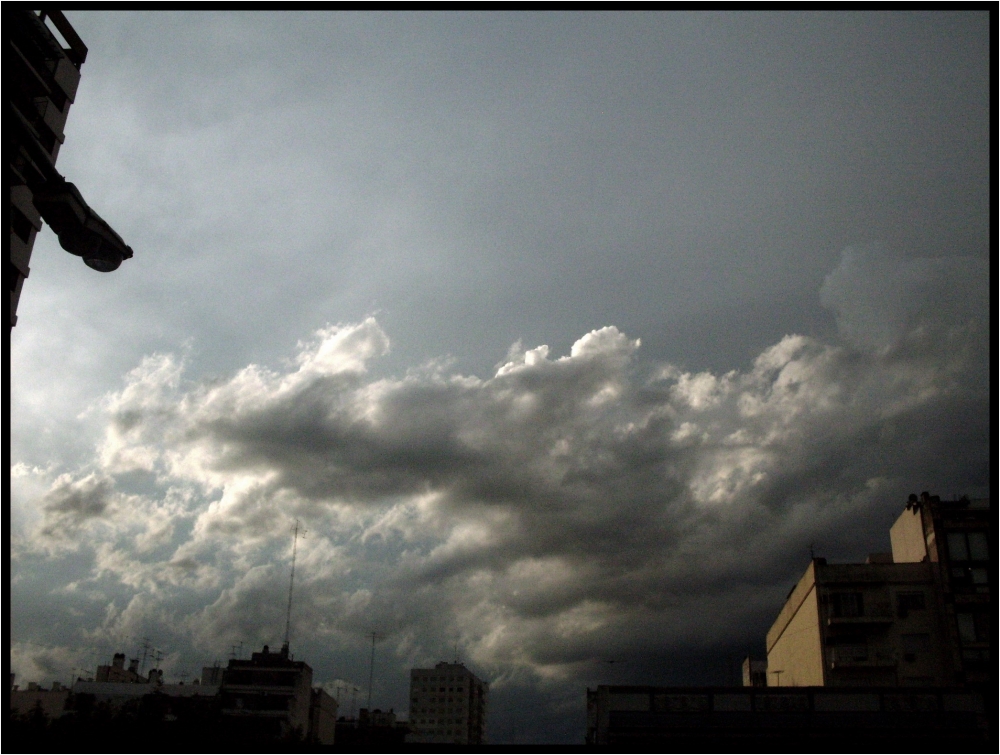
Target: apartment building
{"points": [[955, 538], [447, 706], [919, 616], [270, 694]]}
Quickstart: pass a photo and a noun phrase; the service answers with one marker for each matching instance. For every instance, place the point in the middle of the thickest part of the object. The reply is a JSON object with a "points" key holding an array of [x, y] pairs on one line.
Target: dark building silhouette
{"points": [[954, 537], [270, 694], [262, 704], [117, 672], [42, 81], [799, 719]]}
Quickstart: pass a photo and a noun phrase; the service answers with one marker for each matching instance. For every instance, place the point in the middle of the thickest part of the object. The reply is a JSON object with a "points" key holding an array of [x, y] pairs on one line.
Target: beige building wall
{"points": [[907, 536], [794, 644]]}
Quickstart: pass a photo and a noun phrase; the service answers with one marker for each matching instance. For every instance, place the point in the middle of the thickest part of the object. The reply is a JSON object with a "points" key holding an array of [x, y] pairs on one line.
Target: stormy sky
{"points": [[564, 336]]}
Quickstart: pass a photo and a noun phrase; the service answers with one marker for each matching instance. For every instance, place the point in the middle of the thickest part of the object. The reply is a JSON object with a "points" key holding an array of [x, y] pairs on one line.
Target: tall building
{"points": [[43, 77], [920, 616], [447, 706], [270, 694]]}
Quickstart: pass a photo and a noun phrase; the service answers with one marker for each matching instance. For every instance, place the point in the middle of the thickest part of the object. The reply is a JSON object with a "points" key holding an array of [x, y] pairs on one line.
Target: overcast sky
{"points": [[564, 336]]}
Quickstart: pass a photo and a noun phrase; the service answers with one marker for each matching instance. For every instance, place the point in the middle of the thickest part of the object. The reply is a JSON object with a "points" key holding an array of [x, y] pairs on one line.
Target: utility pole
{"points": [[371, 669]]}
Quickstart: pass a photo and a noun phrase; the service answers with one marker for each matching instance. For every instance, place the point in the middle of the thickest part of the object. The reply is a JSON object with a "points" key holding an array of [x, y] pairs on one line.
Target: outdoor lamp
{"points": [[81, 231]]}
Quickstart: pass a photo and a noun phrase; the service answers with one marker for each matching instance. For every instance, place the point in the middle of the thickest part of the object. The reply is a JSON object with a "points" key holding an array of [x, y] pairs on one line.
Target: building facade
{"points": [[754, 672], [51, 703], [270, 694], [954, 537], [447, 706], [322, 717], [919, 616], [764, 719], [43, 77]]}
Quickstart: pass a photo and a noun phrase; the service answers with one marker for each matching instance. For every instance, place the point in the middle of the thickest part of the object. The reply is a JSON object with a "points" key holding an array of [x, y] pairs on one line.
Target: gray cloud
{"points": [[473, 181], [564, 509], [70, 503]]}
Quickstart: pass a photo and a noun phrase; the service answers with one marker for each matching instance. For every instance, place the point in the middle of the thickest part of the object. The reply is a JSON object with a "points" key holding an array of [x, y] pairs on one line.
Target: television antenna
{"points": [[371, 668], [291, 585]]}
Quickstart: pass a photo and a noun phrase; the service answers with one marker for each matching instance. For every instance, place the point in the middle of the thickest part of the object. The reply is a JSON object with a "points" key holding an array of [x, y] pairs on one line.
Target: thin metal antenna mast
{"points": [[371, 669], [146, 647], [291, 586]]}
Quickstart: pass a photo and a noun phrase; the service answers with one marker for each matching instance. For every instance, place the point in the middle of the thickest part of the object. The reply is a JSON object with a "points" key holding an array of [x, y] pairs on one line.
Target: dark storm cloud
{"points": [[566, 506], [70, 503], [476, 180]]}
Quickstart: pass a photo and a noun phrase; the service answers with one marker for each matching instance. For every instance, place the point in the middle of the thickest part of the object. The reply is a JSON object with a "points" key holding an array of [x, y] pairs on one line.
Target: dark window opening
{"points": [[909, 601], [21, 225], [847, 605]]}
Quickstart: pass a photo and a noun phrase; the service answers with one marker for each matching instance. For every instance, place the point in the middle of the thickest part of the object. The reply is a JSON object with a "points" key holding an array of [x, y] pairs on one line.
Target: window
{"points": [[909, 601], [966, 627], [973, 627], [958, 547], [847, 605], [915, 645], [979, 549], [968, 546]]}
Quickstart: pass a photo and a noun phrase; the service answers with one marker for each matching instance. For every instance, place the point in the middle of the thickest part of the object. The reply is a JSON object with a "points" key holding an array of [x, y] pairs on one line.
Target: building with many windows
{"points": [[447, 706], [920, 616]]}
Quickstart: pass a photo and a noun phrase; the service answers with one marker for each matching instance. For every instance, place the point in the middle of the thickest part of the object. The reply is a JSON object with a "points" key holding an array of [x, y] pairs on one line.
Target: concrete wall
{"points": [[51, 702], [907, 536], [794, 646]]}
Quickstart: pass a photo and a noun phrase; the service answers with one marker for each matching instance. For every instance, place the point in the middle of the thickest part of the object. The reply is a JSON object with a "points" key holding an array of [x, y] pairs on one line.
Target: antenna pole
{"points": [[371, 669], [145, 651], [291, 586]]}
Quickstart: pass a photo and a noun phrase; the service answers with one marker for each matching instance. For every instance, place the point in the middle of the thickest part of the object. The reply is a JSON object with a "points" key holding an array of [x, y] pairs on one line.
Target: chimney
{"points": [[133, 665], [119, 660]]}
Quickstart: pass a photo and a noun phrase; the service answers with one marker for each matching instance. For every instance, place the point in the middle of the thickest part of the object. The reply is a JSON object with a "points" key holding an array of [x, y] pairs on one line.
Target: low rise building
{"points": [[804, 719], [51, 703], [322, 717], [118, 694], [116, 672], [447, 706]]}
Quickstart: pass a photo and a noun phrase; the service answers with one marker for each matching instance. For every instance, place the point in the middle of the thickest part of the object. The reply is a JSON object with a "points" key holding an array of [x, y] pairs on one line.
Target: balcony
{"points": [[859, 656], [878, 613]]}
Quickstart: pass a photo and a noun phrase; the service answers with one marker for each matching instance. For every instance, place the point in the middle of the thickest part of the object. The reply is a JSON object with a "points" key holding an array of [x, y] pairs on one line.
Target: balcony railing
{"points": [[859, 656], [878, 613]]}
